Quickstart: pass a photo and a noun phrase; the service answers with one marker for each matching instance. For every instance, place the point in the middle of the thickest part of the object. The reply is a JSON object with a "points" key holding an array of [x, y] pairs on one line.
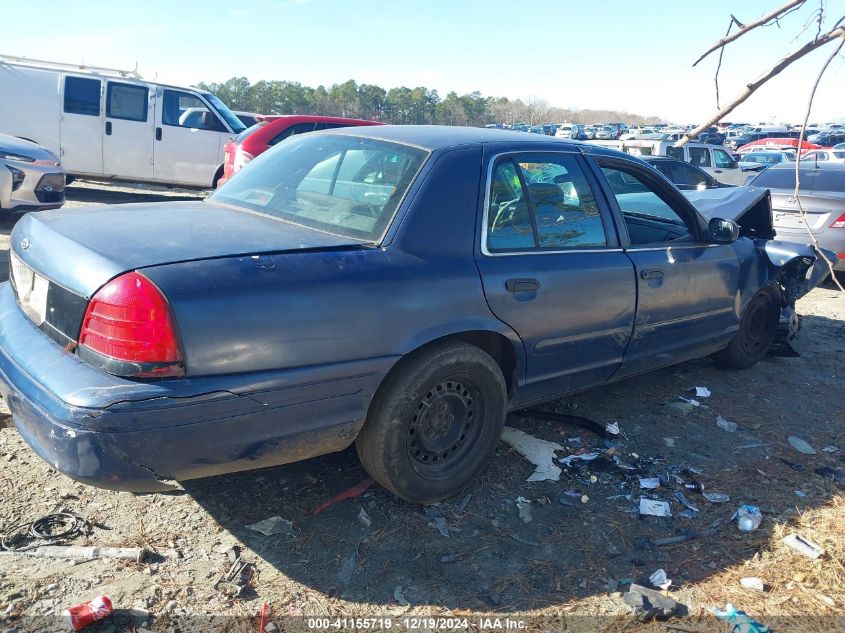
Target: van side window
{"points": [[125, 101], [182, 109], [699, 156], [82, 96]]}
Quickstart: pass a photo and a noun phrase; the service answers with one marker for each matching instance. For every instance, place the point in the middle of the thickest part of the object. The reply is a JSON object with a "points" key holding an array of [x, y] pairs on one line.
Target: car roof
{"points": [[435, 137]]}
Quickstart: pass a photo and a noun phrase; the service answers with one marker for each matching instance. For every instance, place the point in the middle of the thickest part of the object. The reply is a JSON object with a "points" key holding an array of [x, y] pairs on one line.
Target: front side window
{"points": [[82, 96], [675, 152], [699, 156], [648, 218], [542, 202], [723, 159], [342, 185], [182, 109], [126, 101]]}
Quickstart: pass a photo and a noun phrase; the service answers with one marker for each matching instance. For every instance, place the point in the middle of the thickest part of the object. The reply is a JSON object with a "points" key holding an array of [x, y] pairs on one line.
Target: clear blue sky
{"points": [[619, 54]]}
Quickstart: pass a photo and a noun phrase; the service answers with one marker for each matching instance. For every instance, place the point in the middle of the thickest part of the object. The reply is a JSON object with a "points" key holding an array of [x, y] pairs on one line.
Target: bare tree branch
{"points": [[797, 194], [754, 85], [774, 15], [722, 52]]}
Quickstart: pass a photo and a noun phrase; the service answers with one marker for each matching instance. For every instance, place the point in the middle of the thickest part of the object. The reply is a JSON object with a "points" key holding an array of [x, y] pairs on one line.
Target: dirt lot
{"points": [[560, 564]]}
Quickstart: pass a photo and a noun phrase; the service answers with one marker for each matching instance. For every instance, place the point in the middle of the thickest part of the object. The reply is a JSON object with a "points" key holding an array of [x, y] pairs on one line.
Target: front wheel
{"points": [[756, 332], [434, 422]]}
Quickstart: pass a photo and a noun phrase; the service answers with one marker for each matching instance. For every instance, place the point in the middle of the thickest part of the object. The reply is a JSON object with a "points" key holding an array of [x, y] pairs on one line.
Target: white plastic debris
{"points": [[583, 457], [649, 483], [753, 583], [612, 428], [689, 400], [716, 497], [831, 449], [669, 441], [364, 518], [701, 392], [804, 545], [399, 596], [523, 506], [539, 452], [800, 445], [440, 525], [650, 507], [272, 526], [658, 579], [725, 425]]}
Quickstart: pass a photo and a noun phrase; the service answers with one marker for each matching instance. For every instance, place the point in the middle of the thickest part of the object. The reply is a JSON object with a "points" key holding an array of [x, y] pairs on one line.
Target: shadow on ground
{"points": [[491, 559]]}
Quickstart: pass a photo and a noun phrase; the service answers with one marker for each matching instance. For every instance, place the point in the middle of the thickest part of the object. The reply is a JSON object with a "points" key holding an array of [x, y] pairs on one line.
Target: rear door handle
{"points": [[158, 133], [108, 128], [521, 285], [652, 273]]}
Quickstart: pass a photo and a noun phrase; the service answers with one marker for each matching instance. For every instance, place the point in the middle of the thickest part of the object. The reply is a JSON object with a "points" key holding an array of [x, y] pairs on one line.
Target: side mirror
{"points": [[723, 231]]}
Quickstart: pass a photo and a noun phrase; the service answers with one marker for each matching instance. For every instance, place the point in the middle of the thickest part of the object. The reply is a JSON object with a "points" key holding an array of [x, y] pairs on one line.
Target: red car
{"points": [[273, 129]]}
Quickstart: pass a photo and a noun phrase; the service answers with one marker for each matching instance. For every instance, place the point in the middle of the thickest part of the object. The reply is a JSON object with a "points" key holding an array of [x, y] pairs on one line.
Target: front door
{"points": [[552, 269], [128, 132], [81, 127], [688, 302], [188, 139]]}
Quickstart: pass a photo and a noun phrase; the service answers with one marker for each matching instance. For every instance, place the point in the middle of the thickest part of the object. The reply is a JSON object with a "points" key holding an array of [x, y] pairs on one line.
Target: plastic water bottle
{"points": [[748, 518]]}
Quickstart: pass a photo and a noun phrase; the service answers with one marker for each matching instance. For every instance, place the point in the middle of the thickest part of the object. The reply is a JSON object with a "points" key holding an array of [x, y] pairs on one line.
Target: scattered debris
{"points": [[753, 583], [135, 554], [400, 597], [689, 400], [681, 538], [262, 625], [539, 452], [801, 493], [800, 445], [355, 491], [669, 441], [831, 449], [658, 579], [680, 408], [804, 545], [686, 513], [81, 615], [584, 498], [565, 418], [612, 428], [748, 518], [523, 505], [440, 525], [716, 497], [682, 499], [451, 558], [740, 621], [462, 506], [651, 507], [53, 528], [700, 392], [272, 526], [364, 518], [649, 604], [347, 569], [234, 581], [725, 425], [649, 483], [570, 460], [519, 539]]}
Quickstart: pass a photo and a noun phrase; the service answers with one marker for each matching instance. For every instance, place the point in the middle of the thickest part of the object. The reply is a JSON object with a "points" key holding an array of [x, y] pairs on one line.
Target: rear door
{"points": [[188, 139], [128, 131], [688, 289], [553, 270], [82, 125]]}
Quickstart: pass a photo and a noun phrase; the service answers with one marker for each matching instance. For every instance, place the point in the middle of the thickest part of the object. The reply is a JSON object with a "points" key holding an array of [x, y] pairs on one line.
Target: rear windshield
{"points": [[811, 179], [339, 184], [240, 137]]}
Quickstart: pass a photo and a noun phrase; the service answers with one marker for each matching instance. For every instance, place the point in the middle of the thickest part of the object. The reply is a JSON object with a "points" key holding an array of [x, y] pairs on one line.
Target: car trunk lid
{"points": [[820, 211]]}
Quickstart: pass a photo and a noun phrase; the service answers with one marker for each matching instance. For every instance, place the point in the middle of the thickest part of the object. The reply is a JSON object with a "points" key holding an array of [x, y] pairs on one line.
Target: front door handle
{"points": [[158, 133], [652, 273], [108, 128], [521, 285]]}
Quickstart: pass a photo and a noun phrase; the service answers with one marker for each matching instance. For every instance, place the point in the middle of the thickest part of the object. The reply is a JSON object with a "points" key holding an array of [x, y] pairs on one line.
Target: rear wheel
{"points": [[434, 422], [756, 332]]}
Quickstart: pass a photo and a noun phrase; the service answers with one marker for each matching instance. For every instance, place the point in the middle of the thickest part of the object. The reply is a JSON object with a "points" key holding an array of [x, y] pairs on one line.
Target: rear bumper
{"points": [[144, 436]]}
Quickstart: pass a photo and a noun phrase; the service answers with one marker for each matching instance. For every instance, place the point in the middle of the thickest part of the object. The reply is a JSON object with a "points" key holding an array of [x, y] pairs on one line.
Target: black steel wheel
{"points": [[757, 330]]}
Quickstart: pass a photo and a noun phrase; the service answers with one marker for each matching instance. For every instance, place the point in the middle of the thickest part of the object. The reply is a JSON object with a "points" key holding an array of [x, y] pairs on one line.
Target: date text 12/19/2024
{"points": [[417, 624]]}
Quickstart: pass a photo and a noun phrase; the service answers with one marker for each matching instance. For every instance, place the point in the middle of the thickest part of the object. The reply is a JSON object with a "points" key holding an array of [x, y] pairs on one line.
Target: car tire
{"points": [[756, 332], [434, 422]]}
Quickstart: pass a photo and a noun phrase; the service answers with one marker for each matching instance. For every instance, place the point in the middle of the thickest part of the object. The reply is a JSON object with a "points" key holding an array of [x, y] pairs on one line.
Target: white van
{"points": [[105, 124]]}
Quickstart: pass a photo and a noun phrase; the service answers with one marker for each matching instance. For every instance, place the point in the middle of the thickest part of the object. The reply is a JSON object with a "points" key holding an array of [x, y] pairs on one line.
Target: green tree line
{"points": [[401, 105]]}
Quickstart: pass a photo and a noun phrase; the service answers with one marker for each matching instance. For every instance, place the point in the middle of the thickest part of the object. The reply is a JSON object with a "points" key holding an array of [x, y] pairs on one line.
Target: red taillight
{"points": [[840, 223], [129, 320]]}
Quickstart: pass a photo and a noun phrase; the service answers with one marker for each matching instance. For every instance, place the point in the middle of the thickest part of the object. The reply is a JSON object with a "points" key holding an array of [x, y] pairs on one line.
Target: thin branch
{"points": [[722, 52], [797, 194], [754, 85], [774, 15]]}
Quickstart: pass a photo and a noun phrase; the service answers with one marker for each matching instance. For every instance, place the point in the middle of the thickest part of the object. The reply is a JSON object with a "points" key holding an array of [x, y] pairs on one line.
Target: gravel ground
{"points": [[565, 562]]}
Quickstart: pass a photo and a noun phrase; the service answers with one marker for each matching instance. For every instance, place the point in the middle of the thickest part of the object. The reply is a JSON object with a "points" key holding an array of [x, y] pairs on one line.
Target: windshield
{"points": [[339, 184], [234, 122], [811, 179]]}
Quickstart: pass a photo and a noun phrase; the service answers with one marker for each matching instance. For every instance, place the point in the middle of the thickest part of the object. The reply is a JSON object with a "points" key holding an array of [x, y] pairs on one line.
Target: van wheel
{"points": [[434, 422], [756, 332]]}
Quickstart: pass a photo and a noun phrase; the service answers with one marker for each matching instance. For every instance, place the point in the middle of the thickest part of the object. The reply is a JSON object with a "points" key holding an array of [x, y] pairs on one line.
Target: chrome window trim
{"points": [[536, 251]]}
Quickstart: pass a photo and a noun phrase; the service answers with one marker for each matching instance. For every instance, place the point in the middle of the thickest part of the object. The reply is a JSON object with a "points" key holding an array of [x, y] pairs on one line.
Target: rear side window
{"points": [[675, 152], [296, 128], [82, 96], [542, 202], [125, 101], [699, 156]]}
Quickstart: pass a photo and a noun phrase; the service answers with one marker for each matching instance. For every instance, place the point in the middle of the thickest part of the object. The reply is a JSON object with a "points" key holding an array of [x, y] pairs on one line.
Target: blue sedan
{"points": [[402, 288]]}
